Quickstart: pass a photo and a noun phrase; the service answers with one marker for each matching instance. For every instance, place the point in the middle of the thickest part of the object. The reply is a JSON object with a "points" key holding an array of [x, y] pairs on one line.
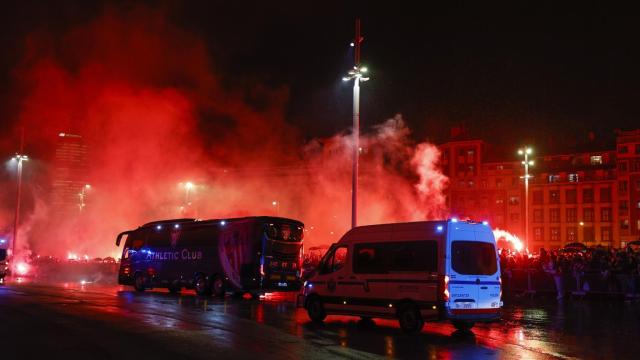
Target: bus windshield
{"points": [[473, 258]]}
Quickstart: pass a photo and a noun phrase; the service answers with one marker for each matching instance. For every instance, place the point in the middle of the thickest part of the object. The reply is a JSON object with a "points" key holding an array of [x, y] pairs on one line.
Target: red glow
{"points": [[22, 269], [147, 98]]}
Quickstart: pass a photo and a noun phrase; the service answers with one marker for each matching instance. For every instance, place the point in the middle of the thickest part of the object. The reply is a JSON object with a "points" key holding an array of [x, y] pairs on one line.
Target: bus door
{"points": [[132, 259]]}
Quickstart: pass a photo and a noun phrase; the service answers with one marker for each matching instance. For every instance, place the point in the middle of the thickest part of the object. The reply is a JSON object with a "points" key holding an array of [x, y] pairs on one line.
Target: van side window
{"points": [[335, 260], [382, 258], [414, 256], [368, 259]]}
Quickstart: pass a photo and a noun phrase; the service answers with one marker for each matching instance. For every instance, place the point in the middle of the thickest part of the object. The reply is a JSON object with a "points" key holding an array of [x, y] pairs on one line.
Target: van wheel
{"points": [[218, 287], [462, 325], [315, 309], [139, 282], [202, 285], [410, 319]]}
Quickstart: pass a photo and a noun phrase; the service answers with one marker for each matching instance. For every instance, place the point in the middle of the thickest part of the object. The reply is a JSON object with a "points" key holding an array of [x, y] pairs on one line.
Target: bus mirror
{"points": [[119, 238]]}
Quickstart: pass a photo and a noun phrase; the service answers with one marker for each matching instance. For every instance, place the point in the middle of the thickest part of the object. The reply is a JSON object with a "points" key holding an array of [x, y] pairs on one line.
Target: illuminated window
{"points": [[537, 233], [554, 196], [596, 160], [554, 178], [573, 178], [605, 214], [624, 224], [571, 234], [514, 200], [499, 183], [554, 234]]}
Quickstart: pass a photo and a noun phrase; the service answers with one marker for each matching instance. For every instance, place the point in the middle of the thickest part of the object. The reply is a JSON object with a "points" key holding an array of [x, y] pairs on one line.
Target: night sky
{"points": [[542, 74]]}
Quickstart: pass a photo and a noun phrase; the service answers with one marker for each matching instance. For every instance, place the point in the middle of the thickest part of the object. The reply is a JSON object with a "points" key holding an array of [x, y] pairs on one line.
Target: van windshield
{"points": [[473, 258]]}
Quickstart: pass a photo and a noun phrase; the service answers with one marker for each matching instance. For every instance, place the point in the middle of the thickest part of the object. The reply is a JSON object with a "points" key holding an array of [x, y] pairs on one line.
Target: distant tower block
{"points": [[70, 173]]}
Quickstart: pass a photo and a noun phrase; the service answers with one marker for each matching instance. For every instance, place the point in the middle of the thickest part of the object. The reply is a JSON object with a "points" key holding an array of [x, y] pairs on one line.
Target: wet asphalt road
{"points": [[74, 321]]}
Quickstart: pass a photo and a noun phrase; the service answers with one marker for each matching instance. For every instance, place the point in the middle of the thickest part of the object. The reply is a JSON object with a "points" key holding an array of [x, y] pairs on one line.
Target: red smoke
{"points": [[146, 97]]}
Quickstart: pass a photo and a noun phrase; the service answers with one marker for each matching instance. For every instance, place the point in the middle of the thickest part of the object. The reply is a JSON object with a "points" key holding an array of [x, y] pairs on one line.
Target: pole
{"points": [[17, 215], [356, 131], [526, 201]]}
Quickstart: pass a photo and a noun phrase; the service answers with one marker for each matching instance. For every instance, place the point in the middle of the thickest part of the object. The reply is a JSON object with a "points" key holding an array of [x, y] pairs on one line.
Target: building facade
{"points": [[69, 177], [590, 197]]}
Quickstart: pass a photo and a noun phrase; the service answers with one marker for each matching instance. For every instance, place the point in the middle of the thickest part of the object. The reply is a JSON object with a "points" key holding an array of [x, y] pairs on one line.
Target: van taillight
{"points": [[444, 288]]}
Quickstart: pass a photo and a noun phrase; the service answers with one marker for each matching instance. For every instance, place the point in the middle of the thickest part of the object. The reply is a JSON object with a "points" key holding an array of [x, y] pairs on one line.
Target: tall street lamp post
{"points": [[19, 158], [356, 74], [526, 151]]}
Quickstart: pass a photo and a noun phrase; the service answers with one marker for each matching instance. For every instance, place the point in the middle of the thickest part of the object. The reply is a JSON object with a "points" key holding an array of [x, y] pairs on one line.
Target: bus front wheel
{"points": [[218, 288], [139, 282], [202, 285]]}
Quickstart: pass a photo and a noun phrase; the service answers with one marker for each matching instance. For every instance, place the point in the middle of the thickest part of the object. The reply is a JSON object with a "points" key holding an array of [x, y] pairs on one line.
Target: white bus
{"points": [[417, 271]]}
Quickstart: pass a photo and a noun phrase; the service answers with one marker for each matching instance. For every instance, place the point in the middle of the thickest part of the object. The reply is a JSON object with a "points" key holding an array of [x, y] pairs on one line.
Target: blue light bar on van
{"points": [[439, 228], [223, 223], [454, 220], [2, 241], [485, 223]]}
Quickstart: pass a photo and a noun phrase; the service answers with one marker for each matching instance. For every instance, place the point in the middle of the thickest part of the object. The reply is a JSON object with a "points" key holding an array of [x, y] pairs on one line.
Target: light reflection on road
{"points": [[528, 330]]}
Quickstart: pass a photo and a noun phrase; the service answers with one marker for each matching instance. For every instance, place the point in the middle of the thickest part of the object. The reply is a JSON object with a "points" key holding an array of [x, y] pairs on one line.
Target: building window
{"points": [[605, 214], [514, 200], [635, 166], [554, 234], [499, 183], [637, 148], [589, 233], [587, 214], [499, 201], [538, 215], [515, 217], [573, 178], [554, 196], [637, 185], [571, 234], [572, 215], [483, 184], [624, 205], [622, 166], [605, 233], [596, 160], [537, 233], [622, 187], [500, 167], [622, 149], [587, 196], [624, 224], [554, 178], [537, 197], [554, 215], [605, 194], [571, 195], [471, 183]]}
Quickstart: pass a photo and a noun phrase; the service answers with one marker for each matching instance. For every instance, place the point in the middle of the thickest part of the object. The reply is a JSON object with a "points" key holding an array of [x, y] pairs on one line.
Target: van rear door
{"points": [[473, 272]]}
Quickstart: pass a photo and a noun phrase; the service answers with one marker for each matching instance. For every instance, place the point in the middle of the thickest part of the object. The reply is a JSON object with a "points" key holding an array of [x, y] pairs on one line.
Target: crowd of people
{"points": [[614, 270]]}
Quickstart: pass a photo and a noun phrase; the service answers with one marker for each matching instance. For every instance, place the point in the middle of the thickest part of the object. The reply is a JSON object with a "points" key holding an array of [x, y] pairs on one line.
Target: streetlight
{"points": [[526, 151], [19, 158], [276, 205], [356, 74]]}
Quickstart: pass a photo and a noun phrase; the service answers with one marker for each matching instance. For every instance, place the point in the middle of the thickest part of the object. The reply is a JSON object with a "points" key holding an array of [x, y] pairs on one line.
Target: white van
{"points": [[417, 271]]}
